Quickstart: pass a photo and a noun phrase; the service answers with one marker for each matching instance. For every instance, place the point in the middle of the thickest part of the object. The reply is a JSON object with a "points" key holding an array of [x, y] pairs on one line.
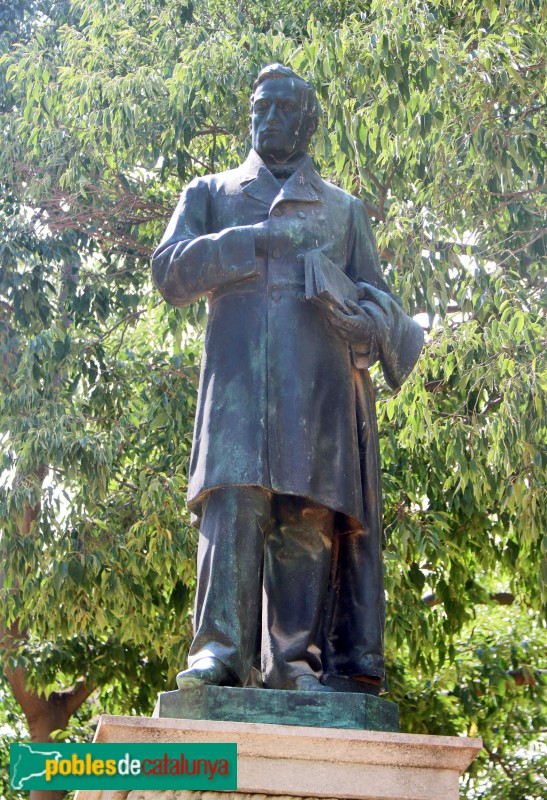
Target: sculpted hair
{"points": [[277, 71]]}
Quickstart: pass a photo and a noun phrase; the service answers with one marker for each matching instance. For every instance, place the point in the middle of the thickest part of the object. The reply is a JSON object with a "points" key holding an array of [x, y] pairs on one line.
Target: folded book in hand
{"points": [[326, 284]]}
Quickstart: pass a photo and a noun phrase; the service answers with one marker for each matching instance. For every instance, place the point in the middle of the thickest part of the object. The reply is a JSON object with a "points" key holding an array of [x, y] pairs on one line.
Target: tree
{"points": [[432, 116], [89, 512]]}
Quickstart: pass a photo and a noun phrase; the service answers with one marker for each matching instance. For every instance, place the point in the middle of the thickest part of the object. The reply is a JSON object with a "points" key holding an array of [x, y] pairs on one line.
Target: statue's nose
{"points": [[272, 114]]}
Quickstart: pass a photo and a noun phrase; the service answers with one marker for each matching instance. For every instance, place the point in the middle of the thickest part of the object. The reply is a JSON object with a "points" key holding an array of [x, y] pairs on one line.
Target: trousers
{"points": [[263, 572]]}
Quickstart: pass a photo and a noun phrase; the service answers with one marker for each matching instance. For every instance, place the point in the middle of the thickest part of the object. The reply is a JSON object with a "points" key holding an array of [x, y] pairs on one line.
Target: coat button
{"points": [[302, 215], [276, 253], [300, 257], [277, 212], [276, 295]]}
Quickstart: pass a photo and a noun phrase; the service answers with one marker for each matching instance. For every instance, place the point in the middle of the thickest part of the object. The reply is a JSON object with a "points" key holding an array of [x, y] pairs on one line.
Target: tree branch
{"points": [[502, 598], [499, 760], [76, 696], [526, 676], [127, 318]]}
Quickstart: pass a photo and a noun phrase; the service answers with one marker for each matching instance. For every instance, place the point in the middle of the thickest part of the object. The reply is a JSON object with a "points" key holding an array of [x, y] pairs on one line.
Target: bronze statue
{"points": [[284, 473]]}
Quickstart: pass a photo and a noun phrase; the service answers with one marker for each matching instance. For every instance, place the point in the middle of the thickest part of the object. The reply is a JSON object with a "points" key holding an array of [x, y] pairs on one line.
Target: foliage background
{"points": [[434, 115]]}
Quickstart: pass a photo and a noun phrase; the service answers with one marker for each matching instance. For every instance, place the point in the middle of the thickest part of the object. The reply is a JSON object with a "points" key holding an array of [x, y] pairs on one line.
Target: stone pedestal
{"points": [[307, 762]]}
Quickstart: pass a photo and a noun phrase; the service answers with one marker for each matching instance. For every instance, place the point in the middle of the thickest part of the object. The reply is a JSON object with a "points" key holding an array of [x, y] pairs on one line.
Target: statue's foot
{"points": [[309, 683], [206, 671]]}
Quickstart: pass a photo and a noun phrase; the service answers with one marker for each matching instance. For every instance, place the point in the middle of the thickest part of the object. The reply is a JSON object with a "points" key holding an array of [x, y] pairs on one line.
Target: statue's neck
{"points": [[282, 170]]}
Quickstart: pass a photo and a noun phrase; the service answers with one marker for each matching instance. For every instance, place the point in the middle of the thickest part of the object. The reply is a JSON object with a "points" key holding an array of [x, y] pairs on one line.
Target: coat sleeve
{"points": [[398, 339], [363, 259], [190, 260]]}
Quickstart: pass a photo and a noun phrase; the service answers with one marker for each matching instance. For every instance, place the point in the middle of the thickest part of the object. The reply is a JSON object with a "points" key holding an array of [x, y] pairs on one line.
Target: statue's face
{"points": [[280, 125]]}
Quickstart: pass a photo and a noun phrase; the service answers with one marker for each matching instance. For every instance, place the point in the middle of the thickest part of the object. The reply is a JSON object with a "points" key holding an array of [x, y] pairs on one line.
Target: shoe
{"points": [[207, 671], [309, 683]]}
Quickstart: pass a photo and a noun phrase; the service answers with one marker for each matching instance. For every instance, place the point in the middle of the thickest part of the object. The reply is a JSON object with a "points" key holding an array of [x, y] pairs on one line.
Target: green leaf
{"points": [[75, 570]]}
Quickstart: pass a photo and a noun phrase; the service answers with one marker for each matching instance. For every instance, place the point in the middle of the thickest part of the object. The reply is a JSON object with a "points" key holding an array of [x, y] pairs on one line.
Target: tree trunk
{"points": [[45, 715], [50, 715]]}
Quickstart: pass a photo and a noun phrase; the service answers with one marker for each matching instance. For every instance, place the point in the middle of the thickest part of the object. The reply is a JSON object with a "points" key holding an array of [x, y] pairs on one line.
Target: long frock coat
{"points": [[281, 404]]}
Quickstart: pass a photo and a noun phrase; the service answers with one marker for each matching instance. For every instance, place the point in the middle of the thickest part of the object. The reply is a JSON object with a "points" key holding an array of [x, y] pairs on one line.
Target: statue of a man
{"points": [[284, 473]]}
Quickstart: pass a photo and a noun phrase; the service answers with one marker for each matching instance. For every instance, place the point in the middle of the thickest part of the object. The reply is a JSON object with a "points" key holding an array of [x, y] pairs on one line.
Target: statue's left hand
{"points": [[399, 338], [382, 308], [356, 327]]}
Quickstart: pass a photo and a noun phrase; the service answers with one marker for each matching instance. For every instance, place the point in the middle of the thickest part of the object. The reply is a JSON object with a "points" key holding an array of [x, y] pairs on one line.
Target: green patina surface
{"points": [[317, 710]]}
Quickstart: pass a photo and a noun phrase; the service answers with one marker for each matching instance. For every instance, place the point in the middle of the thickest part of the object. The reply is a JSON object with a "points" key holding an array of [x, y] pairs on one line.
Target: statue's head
{"points": [[284, 113]]}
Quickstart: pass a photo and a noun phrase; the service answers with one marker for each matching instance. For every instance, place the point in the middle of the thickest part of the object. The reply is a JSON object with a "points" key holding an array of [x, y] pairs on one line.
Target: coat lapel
{"points": [[257, 180], [305, 185]]}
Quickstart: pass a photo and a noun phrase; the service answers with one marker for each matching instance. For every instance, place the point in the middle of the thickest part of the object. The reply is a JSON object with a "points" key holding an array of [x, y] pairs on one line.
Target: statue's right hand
{"points": [[262, 237]]}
